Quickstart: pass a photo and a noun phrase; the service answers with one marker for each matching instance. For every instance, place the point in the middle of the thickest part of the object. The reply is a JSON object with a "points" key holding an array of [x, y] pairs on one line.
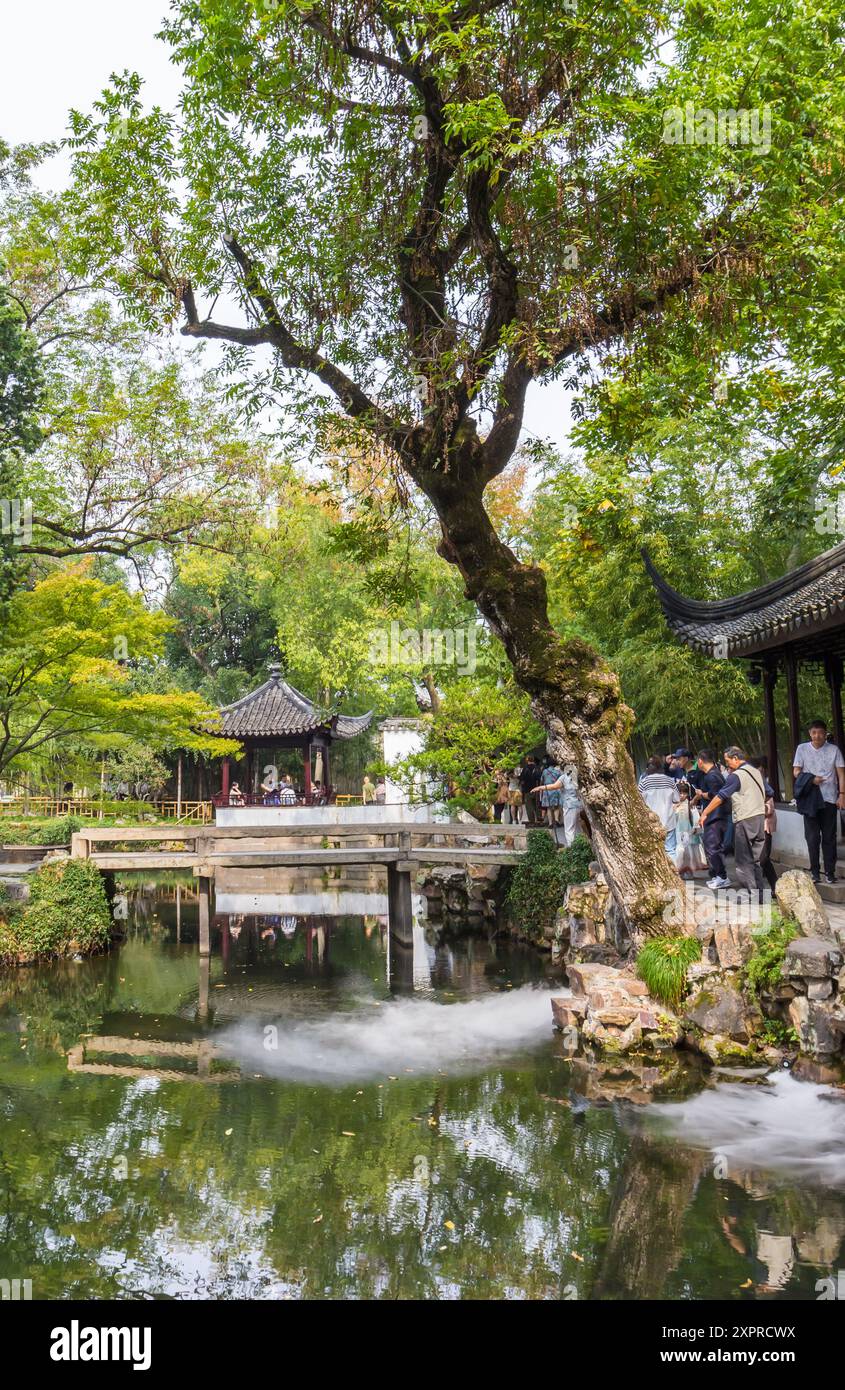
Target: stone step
{"points": [[828, 892]]}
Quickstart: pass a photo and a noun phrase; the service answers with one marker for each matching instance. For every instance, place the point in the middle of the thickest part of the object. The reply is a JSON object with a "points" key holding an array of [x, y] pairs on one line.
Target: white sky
{"points": [[58, 54]]}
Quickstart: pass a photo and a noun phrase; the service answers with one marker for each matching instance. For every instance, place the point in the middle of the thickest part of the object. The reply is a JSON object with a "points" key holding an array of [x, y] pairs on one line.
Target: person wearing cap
{"points": [[681, 761]]}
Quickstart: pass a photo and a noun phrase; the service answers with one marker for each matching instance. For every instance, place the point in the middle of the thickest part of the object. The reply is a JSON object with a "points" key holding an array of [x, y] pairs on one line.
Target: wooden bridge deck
{"points": [[212, 849], [204, 858]]}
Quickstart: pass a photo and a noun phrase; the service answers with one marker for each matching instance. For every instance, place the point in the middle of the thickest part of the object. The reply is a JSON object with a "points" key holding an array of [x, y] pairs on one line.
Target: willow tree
{"points": [[401, 216]]}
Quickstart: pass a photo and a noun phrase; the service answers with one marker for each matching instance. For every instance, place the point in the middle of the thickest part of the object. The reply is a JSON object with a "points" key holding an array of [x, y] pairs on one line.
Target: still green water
{"points": [[314, 1135]]}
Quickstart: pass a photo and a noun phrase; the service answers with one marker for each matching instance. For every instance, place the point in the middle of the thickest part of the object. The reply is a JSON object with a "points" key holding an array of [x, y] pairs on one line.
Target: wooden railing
{"points": [[203, 838], [199, 812]]}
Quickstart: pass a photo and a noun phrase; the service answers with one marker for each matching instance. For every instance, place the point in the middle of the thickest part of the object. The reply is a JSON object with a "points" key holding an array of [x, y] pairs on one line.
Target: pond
{"points": [[281, 1122]]}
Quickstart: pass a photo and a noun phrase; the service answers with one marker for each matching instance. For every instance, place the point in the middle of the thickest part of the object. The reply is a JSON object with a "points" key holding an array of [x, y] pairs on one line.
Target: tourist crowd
{"points": [[710, 809], [540, 793]]}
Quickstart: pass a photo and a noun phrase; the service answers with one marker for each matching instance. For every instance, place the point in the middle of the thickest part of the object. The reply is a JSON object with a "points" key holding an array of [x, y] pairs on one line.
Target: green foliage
{"points": [[55, 832], [663, 963], [762, 972], [540, 878], [66, 671], [481, 728], [776, 1033], [67, 914]]}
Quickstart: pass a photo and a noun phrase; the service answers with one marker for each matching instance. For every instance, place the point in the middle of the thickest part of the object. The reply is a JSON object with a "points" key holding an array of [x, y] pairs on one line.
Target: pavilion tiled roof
{"points": [[277, 710], [805, 607]]}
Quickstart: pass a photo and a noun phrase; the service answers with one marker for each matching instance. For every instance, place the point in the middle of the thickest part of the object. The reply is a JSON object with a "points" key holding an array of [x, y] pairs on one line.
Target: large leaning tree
{"points": [[398, 217]]}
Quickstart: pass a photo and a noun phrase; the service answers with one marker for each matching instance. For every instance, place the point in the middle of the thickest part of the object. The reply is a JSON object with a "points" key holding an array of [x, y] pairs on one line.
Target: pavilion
{"points": [[277, 716], [798, 620]]}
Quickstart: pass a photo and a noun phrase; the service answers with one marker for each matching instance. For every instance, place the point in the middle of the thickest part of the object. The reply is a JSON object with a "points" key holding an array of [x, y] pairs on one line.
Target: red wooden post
{"points": [[225, 787]]}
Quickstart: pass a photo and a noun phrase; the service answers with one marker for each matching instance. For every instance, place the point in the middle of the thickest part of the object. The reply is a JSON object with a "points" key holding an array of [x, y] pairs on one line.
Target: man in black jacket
{"points": [[529, 778], [710, 784]]}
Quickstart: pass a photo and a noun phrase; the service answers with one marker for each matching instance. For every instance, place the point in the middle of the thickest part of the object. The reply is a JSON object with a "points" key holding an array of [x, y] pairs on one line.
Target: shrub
{"points": [[539, 879], [663, 963], [67, 914], [762, 971], [56, 832]]}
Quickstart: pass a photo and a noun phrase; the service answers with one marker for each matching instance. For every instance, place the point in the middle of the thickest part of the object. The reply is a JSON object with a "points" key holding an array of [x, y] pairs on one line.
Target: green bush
{"points": [[67, 914], [56, 832], [762, 971], [663, 963], [540, 878]]}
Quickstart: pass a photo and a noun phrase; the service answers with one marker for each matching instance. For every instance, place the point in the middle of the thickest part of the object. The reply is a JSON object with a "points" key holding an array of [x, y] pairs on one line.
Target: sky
{"points": [[79, 43]]}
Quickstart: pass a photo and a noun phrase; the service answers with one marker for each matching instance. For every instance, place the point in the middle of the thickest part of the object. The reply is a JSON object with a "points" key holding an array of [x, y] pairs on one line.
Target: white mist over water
{"points": [[401, 1035], [782, 1126]]}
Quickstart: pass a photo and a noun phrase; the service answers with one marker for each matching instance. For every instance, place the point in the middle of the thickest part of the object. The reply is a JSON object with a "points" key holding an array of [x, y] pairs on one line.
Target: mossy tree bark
{"points": [[574, 694]]}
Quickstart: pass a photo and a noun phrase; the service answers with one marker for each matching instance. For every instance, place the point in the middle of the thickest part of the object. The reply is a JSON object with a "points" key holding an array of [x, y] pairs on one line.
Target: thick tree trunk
{"points": [[574, 694]]}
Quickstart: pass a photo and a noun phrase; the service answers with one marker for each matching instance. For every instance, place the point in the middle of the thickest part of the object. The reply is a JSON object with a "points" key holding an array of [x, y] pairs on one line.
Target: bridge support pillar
{"points": [[205, 916], [400, 915]]}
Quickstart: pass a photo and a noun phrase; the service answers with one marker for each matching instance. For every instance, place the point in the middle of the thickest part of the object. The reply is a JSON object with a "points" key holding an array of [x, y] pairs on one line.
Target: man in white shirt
{"points": [[827, 765]]}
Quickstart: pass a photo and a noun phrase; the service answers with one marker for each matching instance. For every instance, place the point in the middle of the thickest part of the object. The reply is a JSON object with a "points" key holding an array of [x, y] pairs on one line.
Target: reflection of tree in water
{"points": [[677, 1225], [647, 1212], [253, 1188]]}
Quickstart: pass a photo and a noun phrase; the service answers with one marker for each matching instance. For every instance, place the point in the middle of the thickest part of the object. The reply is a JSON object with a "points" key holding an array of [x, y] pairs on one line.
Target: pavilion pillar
{"points": [[791, 668], [327, 772], [307, 772], [225, 786], [770, 675], [250, 759], [833, 671]]}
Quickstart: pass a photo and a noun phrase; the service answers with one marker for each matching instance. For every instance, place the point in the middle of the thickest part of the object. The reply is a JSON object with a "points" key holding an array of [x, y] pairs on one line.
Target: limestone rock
{"points": [[700, 969], [720, 1010], [592, 924], [618, 1016], [612, 1039], [815, 1026], [798, 898], [589, 975], [819, 989], [719, 1049], [812, 958], [734, 944], [569, 1012]]}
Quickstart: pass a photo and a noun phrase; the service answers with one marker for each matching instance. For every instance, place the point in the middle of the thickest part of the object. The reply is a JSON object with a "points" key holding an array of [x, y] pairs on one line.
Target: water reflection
{"points": [[275, 1121]]}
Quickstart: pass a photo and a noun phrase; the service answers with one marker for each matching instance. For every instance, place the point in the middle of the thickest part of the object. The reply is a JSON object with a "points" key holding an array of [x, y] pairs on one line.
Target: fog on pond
{"points": [[288, 1119]]}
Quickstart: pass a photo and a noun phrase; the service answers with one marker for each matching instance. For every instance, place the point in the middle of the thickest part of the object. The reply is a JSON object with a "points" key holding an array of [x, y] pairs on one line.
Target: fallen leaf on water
{"points": [[580, 1258], [450, 1225], [348, 1133], [228, 1132], [393, 1078], [747, 1284], [317, 1220]]}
